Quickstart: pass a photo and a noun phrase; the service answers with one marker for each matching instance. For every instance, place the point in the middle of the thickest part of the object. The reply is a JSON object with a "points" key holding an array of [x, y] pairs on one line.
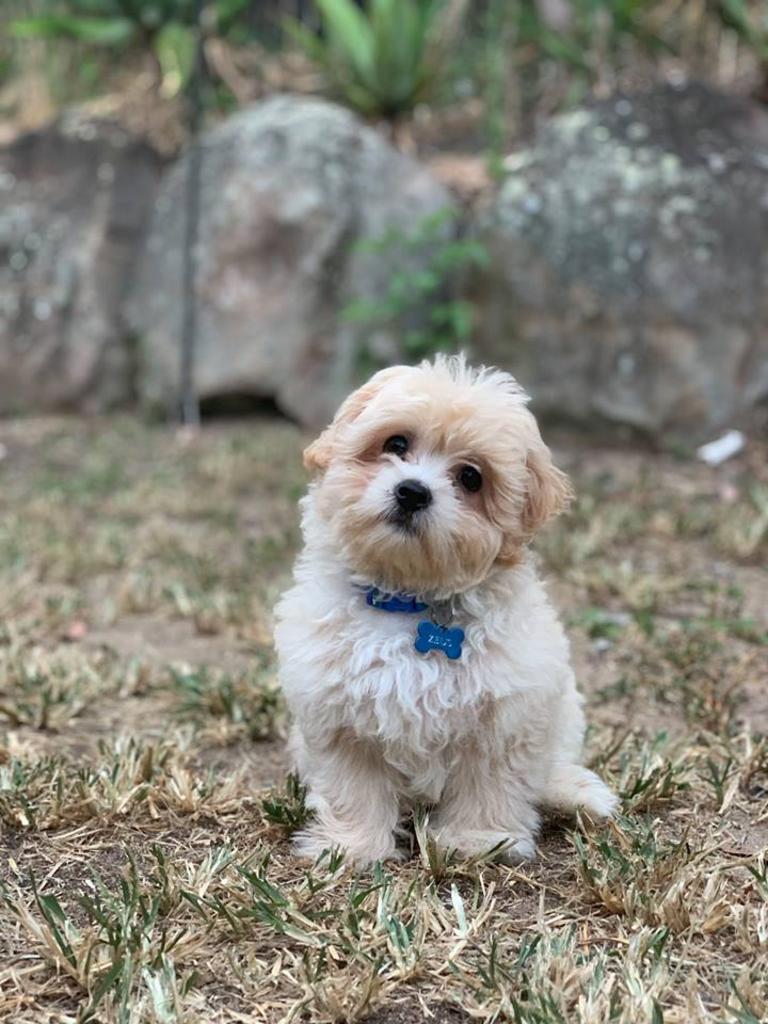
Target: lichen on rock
{"points": [[628, 279]]}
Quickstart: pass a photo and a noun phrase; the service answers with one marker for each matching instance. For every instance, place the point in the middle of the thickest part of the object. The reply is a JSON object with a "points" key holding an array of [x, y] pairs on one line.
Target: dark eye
{"points": [[470, 478], [396, 445]]}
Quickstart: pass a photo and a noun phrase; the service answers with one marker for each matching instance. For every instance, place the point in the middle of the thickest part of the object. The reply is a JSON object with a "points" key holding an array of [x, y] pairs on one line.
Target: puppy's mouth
{"points": [[409, 523]]}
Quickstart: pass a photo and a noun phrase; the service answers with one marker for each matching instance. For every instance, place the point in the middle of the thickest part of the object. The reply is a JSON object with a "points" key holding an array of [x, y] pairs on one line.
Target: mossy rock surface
{"points": [[628, 279], [291, 188], [74, 201]]}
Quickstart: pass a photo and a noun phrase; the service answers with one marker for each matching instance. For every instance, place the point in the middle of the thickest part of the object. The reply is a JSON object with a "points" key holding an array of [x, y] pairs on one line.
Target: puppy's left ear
{"points": [[548, 489], [317, 456]]}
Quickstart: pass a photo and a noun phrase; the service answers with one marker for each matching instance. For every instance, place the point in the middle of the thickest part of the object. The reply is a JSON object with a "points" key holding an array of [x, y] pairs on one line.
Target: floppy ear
{"points": [[548, 489], [547, 493], [317, 456]]}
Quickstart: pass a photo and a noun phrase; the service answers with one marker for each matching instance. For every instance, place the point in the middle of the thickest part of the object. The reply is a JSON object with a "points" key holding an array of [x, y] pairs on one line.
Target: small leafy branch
{"points": [[166, 29], [421, 307]]}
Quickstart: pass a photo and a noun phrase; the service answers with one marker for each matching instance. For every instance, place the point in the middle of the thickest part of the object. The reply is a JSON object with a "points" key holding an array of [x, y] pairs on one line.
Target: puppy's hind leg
{"points": [[353, 797], [569, 786], [572, 787]]}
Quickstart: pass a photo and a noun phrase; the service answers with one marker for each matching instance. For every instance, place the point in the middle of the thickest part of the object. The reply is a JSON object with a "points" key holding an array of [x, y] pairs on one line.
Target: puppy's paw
{"points": [[573, 787], [309, 844], [597, 799], [497, 846], [516, 851], [358, 851]]}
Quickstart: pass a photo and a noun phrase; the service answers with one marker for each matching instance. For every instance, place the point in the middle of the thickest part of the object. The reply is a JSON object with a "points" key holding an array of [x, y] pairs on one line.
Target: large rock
{"points": [[74, 199], [628, 277], [290, 188]]}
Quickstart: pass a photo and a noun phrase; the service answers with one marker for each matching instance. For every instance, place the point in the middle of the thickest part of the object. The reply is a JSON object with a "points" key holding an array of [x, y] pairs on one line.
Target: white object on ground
{"points": [[723, 448]]}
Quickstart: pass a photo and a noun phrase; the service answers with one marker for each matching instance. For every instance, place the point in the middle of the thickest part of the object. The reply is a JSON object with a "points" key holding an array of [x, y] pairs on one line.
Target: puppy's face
{"points": [[431, 475]]}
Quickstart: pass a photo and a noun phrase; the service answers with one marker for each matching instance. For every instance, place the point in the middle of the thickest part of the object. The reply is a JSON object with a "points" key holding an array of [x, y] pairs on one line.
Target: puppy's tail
{"points": [[572, 787]]}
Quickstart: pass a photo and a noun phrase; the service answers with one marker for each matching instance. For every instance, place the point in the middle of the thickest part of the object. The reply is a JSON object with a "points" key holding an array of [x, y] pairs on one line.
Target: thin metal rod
{"points": [[189, 405]]}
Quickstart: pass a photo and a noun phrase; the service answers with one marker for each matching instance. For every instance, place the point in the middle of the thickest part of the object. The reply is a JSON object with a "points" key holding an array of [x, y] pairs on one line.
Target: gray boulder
{"points": [[74, 199], [290, 188], [628, 278]]}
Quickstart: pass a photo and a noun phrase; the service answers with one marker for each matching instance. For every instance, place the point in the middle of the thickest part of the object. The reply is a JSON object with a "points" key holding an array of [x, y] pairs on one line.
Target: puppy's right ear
{"points": [[318, 455]]}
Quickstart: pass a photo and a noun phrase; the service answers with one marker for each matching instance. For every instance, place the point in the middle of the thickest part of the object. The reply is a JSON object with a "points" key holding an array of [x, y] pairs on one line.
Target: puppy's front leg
{"points": [[352, 795], [486, 803]]}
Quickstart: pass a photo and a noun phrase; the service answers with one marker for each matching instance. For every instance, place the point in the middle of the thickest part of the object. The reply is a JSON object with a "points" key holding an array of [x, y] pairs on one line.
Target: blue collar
{"points": [[430, 635], [393, 602]]}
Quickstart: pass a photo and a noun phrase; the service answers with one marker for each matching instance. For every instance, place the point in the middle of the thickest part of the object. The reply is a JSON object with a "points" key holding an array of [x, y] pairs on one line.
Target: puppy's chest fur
{"points": [[413, 707], [346, 665], [403, 697]]}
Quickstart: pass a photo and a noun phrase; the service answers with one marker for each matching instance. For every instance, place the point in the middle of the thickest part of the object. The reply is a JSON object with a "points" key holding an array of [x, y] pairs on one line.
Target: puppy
{"points": [[419, 654]]}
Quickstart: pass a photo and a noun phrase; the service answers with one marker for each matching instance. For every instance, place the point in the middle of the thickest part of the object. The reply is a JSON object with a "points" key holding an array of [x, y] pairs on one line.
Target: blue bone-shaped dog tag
{"points": [[447, 639]]}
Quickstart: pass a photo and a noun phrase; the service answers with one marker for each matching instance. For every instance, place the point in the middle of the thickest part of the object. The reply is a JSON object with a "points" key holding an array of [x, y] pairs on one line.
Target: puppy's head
{"points": [[431, 475]]}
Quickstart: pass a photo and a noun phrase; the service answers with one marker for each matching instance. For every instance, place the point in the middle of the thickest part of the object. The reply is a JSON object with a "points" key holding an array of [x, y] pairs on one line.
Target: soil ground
{"points": [[144, 803]]}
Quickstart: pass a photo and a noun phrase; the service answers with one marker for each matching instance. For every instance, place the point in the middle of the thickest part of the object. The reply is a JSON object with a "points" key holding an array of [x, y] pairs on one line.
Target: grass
{"points": [[145, 801]]}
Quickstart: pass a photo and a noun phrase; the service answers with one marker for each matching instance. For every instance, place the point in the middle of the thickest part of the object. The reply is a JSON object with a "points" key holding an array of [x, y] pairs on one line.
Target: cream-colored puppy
{"points": [[419, 653]]}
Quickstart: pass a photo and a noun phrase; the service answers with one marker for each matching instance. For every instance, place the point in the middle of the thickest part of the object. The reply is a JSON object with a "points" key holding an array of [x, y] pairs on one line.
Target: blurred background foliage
{"points": [[487, 68], [443, 255]]}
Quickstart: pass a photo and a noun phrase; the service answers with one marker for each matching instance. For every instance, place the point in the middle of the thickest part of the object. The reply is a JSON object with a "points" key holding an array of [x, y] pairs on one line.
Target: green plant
{"points": [[530, 58], [587, 22], [748, 21], [421, 306], [533, 57], [287, 809], [116, 948], [247, 701], [164, 28], [651, 774], [381, 61]]}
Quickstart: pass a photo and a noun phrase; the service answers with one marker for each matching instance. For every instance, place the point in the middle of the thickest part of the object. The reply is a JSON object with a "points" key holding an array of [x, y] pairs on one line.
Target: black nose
{"points": [[412, 495]]}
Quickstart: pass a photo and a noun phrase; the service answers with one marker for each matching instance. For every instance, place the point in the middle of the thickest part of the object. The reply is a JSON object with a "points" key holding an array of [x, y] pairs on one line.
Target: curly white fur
{"points": [[487, 740]]}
